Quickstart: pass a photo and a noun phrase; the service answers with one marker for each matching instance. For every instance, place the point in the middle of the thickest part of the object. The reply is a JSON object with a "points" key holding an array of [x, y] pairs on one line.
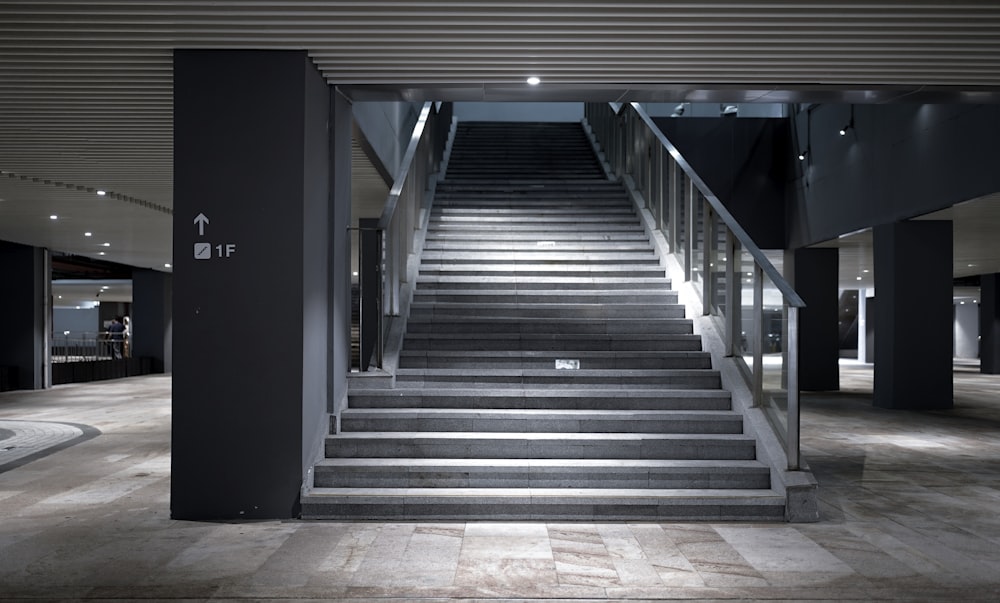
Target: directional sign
{"points": [[201, 220]]}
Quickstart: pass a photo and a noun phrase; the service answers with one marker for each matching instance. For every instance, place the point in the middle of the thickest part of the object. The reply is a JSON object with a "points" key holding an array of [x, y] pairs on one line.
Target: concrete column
{"points": [[26, 305], [815, 278], [862, 325], [251, 284], [152, 323], [989, 324], [913, 316]]}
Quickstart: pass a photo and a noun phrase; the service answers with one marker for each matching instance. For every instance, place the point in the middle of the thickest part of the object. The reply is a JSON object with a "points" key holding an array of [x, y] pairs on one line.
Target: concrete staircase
{"points": [[534, 262]]}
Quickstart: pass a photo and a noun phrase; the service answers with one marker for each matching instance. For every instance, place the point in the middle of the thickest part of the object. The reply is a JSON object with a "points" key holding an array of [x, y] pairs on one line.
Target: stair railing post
{"points": [[706, 257], [673, 227], [732, 312], [758, 348], [792, 365], [689, 200], [369, 280]]}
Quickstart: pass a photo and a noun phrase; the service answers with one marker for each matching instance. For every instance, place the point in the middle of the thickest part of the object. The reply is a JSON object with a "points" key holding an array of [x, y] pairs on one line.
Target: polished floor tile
{"points": [[908, 504]]}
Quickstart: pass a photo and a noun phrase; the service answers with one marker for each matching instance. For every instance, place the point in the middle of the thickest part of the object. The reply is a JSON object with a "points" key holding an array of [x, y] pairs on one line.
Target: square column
{"points": [[26, 303], [152, 321], [989, 324], [815, 276], [252, 351], [913, 315]]}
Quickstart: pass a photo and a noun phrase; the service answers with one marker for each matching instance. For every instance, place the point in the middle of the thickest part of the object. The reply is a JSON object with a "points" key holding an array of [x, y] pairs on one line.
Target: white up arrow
{"points": [[201, 221]]}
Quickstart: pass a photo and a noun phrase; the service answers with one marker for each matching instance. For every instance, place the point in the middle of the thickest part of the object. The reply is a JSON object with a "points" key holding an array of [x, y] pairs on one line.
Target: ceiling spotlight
{"points": [[105, 244], [101, 193], [166, 265], [730, 110], [53, 217], [678, 110], [88, 234], [803, 155], [534, 81], [101, 253]]}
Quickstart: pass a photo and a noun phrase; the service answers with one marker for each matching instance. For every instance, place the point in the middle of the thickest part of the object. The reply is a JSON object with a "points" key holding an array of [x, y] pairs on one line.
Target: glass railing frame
{"points": [[680, 198]]}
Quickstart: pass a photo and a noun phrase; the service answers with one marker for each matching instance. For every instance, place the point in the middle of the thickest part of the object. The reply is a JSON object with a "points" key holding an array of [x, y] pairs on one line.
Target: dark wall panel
{"points": [[897, 161]]}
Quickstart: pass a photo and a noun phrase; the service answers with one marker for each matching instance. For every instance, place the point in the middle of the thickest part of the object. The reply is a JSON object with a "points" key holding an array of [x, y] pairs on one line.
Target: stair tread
{"points": [[499, 464], [537, 435], [657, 495], [568, 392], [541, 414]]}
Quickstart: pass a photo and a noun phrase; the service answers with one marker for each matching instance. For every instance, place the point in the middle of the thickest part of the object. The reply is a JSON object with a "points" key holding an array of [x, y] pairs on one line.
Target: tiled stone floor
{"points": [[909, 503]]}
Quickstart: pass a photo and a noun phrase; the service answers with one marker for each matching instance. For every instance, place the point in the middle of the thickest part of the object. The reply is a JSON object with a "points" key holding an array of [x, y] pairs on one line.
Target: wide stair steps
{"points": [[522, 274]]}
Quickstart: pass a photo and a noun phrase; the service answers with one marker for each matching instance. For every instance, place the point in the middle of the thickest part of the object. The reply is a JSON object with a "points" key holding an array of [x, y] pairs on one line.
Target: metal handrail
{"points": [[392, 201], [741, 235], [634, 147], [396, 230]]}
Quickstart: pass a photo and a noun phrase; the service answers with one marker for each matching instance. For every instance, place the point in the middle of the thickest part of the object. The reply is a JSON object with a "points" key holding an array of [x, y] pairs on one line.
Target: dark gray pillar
{"points": [[251, 284], [989, 324], [151, 329], [815, 276], [913, 315], [26, 306]]}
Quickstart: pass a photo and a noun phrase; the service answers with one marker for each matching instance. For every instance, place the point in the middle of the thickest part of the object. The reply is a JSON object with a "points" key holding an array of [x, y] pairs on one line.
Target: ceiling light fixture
{"points": [[53, 217], [534, 81], [803, 155], [678, 110], [730, 110], [88, 234], [849, 124], [105, 244], [101, 253], [166, 266], [101, 193]]}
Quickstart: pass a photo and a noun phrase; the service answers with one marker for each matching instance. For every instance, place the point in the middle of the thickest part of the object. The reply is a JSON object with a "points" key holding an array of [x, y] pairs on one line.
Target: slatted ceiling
{"points": [[86, 87]]}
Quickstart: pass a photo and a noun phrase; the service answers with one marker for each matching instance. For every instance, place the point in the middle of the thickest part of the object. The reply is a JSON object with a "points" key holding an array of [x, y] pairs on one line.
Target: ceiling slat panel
{"points": [[86, 87]]}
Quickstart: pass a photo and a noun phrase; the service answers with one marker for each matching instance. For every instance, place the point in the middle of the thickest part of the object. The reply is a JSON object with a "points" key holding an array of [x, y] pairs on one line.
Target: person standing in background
{"points": [[117, 331]]}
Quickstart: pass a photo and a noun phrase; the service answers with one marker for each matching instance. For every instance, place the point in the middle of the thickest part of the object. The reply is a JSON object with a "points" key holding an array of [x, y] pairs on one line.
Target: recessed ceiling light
{"points": [[60, 297], [88, 234], [101, 253], [354, 273], [534, 81], [865, 271], [53, 217], [101, 193], [106, 244], [859, 278], [166, 265], [105, 288]]}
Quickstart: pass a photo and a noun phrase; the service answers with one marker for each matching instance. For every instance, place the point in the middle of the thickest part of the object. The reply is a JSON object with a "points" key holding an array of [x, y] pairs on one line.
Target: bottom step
{"points": [[548, 504]]}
